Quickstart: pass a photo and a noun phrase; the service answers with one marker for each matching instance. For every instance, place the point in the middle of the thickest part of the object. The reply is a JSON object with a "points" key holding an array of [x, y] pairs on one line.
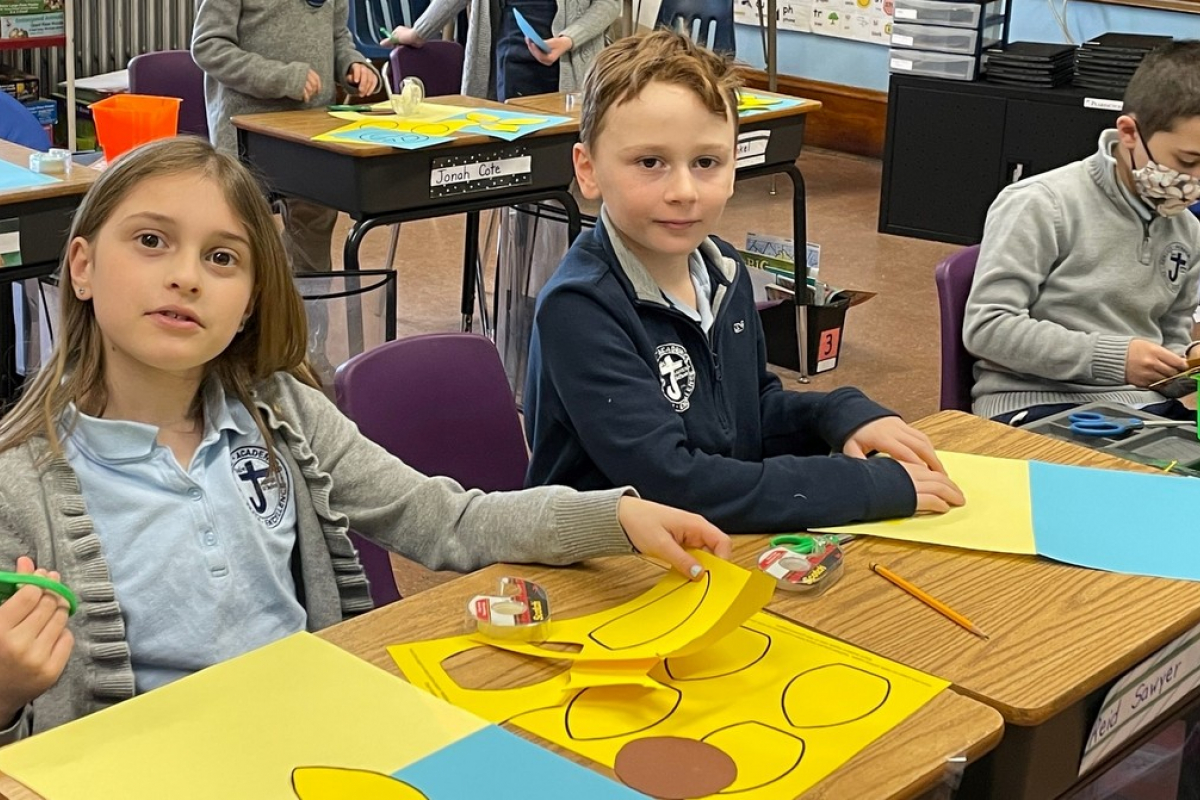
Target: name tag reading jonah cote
{"points": [[480, 173]]}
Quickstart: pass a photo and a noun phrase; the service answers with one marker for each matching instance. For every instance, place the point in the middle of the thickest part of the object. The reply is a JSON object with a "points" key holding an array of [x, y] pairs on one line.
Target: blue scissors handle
{"points": [[1090, 423]]}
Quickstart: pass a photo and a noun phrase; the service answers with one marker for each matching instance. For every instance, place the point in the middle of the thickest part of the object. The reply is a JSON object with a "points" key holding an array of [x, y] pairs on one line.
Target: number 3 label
{"points": [[830, 340]]}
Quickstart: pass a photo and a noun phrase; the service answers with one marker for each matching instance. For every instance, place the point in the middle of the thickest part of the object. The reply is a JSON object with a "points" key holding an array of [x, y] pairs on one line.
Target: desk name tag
{"points": [[1103, 103], [480, 173], [752, 148]]}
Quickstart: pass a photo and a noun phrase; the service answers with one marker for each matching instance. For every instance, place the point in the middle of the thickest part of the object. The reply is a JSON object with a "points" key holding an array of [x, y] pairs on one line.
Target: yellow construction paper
{"points": [[998, 515], [788, 705], [240, 728], [747, 100], [433, 128], [426, 112], [676, 617], [332, 783]]}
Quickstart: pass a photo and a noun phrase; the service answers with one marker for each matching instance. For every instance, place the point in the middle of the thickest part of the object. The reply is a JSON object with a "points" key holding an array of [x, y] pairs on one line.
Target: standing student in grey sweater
{"points": [[495, 67], [174, 465], [1087, 282], [279, 55]]}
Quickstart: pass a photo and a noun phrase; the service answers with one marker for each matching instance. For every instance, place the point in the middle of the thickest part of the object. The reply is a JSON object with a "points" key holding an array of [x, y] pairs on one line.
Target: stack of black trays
{"points": [[1035, 64], [1105, 64]]}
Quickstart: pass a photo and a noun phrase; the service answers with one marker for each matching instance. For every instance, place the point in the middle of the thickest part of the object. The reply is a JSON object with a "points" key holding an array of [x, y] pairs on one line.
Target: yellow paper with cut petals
{"points": [[998, 515], [787, 704]]}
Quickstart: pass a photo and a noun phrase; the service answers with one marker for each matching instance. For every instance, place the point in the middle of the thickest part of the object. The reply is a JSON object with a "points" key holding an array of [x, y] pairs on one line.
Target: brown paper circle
{"points": [[672, 768]]}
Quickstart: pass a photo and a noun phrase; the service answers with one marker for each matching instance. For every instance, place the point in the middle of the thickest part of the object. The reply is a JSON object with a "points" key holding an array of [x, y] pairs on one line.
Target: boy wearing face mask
{"points": [[1086, 281]]}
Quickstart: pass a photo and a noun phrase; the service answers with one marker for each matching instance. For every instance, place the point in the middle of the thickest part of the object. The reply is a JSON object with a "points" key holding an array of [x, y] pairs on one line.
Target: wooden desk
{"points": [[44, 214], [783, 131], [1060, 635], [905, 762], [378, 185]]}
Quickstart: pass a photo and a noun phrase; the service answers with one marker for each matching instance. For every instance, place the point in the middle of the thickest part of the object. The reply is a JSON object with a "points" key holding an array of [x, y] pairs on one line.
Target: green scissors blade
{"points": [[10, 582]]}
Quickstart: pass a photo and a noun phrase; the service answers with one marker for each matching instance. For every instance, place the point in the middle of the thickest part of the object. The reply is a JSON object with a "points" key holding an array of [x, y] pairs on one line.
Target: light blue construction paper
{"points": [[403, 140], [1129, 522], [784, 102], [547, 121], [16, 177], [495, 763], [529, 32]]}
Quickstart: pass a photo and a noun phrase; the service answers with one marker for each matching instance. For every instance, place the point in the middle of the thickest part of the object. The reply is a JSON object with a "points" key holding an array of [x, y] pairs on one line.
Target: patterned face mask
{"points": [[1167, 191]]}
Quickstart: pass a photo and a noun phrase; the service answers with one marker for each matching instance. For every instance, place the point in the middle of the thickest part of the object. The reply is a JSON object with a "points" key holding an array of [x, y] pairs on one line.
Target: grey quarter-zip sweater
{"points": [[1071, 269]]}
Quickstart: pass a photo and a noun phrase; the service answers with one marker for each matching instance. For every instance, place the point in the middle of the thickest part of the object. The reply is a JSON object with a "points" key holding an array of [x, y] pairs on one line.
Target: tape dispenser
{"points": [[406, 101], [519, 610], [805, 564]]}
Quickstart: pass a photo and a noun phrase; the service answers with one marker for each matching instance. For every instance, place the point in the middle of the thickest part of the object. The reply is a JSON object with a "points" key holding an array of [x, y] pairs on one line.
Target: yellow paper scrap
{"points": [[240, 728], [442, 128], [675, 618], [998, 515]]}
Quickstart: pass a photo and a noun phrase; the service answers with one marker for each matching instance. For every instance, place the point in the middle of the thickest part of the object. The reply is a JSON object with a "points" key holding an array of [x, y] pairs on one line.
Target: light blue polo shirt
{"points": [[200, 557], [702, 283]]}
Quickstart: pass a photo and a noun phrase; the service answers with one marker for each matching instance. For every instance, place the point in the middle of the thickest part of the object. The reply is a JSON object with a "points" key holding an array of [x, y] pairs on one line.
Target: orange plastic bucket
{"points": [[124, 121]]}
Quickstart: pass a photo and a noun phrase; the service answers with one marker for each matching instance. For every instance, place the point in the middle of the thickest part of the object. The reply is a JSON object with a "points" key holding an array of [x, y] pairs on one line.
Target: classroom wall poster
{"points": [[860, 20]]}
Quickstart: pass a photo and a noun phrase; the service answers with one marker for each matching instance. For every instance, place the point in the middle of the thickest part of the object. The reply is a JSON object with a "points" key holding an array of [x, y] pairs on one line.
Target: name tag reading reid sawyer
{"points": [[10, 582], [480, 172]]}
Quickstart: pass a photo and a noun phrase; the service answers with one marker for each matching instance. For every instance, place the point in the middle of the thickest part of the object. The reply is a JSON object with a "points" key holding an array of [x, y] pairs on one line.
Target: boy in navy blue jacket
{"points": [[648, 363]]}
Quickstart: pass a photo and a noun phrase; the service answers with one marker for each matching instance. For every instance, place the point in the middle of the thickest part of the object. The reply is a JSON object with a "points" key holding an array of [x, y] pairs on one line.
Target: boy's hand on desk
{"points": [[362, 78], [936, 493], [312, 85], [402, 35], [559, 46], [1147, 362], [663, 532], [893, 437], [35, 643]]}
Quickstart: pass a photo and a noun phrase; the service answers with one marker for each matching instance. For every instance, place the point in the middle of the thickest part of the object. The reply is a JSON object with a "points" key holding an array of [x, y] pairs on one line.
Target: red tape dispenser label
{"points": [[804, 564]]}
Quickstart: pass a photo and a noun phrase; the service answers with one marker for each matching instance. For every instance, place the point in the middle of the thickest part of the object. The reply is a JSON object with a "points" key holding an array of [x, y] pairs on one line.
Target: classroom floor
{"points": [[890, 346]]}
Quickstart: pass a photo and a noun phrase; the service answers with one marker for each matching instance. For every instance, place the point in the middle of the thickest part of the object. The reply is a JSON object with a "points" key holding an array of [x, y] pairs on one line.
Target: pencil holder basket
{"points": [[125, 121]]}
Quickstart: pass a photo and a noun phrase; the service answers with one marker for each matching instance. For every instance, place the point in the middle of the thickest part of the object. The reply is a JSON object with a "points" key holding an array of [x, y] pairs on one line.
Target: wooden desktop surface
{"points": [[76, 181], [1057, 632], [556, 103], [301, 126]]}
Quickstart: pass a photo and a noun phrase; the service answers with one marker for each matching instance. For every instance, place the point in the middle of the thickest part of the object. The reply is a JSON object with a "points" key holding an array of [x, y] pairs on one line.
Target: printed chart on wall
{"points": [[692, 672], [861, 20]]}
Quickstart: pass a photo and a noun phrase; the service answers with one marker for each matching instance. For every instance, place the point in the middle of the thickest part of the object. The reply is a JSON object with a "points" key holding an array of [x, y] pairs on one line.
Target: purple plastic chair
{"points": [[440, 402], [172, 73], [439, 65], [953, 277]]}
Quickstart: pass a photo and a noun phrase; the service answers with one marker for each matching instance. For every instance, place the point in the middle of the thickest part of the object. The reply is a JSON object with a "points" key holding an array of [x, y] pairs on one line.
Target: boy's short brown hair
{"points": [[1165, 88], [625, 67]]}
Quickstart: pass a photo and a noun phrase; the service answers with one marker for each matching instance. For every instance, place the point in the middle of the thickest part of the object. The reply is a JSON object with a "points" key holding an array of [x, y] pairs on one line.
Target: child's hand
{"points": [[1147, 362], [894, 437], [663, 532], [402, 35], [312, 85], [559, 45], [35, 643], [935, 491], [362, 78]]}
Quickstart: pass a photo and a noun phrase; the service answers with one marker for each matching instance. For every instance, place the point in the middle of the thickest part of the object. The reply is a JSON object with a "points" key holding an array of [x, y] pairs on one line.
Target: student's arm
{"points": [[437, 16], [615, 405], [217, 51], [345, 54], [438, 523], [1019, 248], [1178, 322], [593, 22]]}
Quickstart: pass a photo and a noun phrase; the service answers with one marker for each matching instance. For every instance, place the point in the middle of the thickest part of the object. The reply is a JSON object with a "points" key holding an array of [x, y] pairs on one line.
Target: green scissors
{"points": [[10, 582]]}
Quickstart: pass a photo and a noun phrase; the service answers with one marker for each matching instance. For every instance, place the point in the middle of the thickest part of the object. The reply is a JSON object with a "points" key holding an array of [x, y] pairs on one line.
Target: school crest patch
{"points": [[266, 494], [676, 374], [1174, 262]]}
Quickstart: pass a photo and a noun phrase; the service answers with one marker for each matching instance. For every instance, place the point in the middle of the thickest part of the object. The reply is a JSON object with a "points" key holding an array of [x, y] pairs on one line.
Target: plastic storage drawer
{"points": [[945, 39], [946, 12], [935, 65]]}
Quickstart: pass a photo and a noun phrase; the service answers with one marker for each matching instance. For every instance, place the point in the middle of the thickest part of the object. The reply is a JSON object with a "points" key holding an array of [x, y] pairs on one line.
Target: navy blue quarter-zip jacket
{"points": [[623, 389]]}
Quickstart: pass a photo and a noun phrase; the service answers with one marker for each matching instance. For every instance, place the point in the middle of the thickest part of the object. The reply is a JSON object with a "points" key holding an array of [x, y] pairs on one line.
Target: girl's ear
{"points": [[79, 263], [585, 172]]}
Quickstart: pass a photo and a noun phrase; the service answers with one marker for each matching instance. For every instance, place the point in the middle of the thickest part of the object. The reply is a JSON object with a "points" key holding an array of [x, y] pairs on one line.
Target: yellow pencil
{"points": [[936, 605]]}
